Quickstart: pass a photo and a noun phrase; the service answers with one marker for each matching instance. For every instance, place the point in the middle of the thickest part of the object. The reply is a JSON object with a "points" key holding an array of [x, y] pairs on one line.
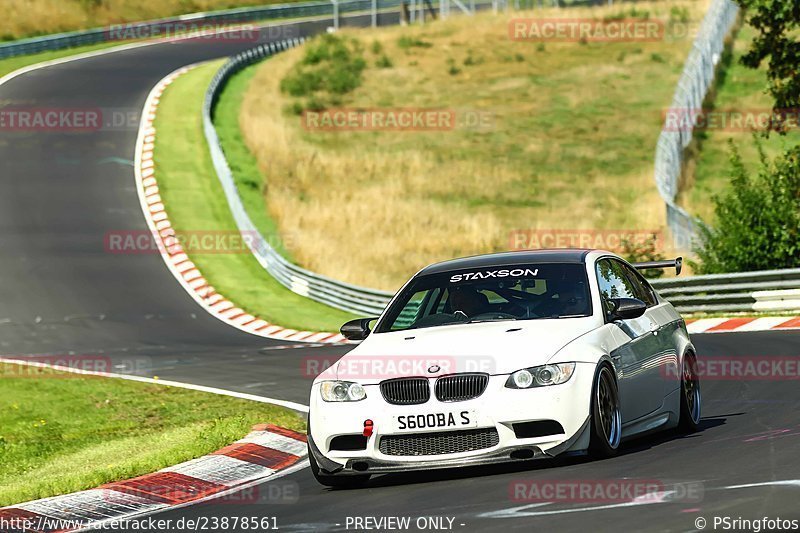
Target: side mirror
{"points": [[626, 308], [356, 330]]}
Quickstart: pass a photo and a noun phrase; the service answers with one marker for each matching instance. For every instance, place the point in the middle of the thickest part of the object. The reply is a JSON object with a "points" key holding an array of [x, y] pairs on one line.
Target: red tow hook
{"points": [[368, 426]]}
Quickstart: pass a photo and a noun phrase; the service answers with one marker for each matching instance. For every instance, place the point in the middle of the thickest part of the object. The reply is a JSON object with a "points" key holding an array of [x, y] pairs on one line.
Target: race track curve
{"points": [[62, 192]]}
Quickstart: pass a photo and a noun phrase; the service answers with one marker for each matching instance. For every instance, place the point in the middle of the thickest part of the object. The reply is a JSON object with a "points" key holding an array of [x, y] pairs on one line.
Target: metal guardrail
{"points": [[359, 300], [335, 293], [698, 75], [771, 290], [766, 290], [751, 291], [174, 25]]}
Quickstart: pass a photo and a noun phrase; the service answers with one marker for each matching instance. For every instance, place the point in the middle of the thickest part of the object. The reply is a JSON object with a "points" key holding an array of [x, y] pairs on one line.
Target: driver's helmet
{"points": [[468, 300], [571, 296]]}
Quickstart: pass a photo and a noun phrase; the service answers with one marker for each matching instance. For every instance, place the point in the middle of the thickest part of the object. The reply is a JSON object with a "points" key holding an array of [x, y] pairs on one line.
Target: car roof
{"points": [[556, 255]]}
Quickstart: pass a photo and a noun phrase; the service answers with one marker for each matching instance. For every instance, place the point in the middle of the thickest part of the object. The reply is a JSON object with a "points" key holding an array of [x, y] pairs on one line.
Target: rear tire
{"points": [[338, 482], [691, 399], [606, 419]]}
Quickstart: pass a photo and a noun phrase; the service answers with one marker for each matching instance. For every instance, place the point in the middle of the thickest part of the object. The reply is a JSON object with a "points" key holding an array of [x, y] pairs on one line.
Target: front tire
{"points": [[338, 482], [691, 399], [606, 425]]}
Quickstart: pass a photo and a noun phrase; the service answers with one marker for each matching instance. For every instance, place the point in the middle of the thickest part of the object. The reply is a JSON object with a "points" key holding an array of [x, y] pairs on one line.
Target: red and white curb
{"points": [[742, 324], [264, 453], [171, 250]]}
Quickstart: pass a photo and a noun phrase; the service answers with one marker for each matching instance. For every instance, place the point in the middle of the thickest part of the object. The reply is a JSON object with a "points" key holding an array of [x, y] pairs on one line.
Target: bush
{"points": [[301, 83], [679, 14], [384, 62], [470, 60], [632, 13], [295, 108], [331, 64], [452, 69], [635, 252], [757, 220], [407, 42]]}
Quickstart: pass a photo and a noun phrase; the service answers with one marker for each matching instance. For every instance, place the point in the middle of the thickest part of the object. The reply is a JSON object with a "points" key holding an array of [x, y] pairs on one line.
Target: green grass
{"points": [[241, 161], [555, 135], [14, 63], [195, 202], [738, 88], [11, 64], [61, 433], [30, 18]]}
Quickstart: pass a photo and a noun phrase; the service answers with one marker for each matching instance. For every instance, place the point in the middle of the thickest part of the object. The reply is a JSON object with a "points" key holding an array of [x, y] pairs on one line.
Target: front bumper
{"points": [[384, 466], [498, 407]]}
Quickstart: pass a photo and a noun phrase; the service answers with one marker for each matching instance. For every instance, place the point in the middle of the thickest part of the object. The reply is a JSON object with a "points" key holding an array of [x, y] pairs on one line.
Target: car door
{"points": [[662, 326], [640, 386]]}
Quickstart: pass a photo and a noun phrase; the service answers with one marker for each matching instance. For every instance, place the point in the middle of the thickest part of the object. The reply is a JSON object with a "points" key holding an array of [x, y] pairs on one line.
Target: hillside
{"points": [[544, 135], [740, 92], [26, 18]]}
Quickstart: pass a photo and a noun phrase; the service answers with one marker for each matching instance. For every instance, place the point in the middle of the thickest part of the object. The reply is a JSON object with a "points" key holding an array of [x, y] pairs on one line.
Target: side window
{"points": [[412, 312], [642, 289], [651, 292], [613, 282]]}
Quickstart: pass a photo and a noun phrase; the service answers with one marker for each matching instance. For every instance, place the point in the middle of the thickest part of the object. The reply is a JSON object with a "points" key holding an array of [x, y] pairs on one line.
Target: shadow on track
{"points": [[449, 474]]}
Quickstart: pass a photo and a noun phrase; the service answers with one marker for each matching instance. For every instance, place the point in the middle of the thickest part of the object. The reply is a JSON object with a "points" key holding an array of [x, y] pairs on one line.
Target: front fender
{"points": [[593, 347]]}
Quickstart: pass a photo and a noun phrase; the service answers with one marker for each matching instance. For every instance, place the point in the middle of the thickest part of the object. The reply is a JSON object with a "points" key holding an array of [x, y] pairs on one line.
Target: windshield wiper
{"points": [[495, 319]]}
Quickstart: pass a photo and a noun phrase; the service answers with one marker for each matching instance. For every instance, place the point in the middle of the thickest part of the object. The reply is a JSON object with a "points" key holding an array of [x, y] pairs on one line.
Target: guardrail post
{"points": [[374, 13], [335, 14]]}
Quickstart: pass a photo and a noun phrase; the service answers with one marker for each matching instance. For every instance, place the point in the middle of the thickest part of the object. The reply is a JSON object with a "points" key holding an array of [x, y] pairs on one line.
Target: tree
{"points": [[635, 252], [757, 220], [776, 23]]}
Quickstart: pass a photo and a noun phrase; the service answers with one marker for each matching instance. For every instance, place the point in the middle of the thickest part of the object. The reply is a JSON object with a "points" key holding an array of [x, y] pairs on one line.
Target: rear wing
{"points": [[676, 263]]}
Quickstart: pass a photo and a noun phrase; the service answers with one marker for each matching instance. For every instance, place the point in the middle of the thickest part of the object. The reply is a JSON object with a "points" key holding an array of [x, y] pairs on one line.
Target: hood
{"points": [[490, 347]]}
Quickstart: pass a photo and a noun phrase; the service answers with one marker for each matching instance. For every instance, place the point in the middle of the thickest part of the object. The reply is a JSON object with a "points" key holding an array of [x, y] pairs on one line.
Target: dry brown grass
{"points": [[571, 146], [22, 18]]}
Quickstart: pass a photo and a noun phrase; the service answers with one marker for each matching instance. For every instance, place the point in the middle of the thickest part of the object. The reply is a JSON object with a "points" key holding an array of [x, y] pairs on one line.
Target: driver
{"points": [[572, 299], [469, 301]]}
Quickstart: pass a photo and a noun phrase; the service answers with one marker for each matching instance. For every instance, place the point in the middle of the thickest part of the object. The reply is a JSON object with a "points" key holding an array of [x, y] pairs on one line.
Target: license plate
{"points": [[449, 420]]}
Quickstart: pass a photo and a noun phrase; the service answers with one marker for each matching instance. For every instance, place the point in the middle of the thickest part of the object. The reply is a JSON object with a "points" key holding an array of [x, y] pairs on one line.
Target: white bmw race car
{"points": [[504, 357]]}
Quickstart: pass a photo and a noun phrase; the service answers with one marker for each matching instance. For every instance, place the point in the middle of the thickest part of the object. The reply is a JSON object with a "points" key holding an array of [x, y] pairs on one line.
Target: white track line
{"points": [[145, 141], [110, 50], [168, 383]]}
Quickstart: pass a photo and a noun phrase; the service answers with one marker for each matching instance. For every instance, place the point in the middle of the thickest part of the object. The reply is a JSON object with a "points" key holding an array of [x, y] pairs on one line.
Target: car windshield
{"points": [[513, 292]]}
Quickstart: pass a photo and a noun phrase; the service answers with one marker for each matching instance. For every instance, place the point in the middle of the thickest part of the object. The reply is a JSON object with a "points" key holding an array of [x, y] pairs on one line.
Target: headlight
{"points": [[541, 376], [342, 391]]}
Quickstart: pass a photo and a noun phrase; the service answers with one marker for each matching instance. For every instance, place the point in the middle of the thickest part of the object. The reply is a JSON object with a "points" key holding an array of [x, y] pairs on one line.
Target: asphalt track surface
{"points": [[61, 293], [61, 193]]}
